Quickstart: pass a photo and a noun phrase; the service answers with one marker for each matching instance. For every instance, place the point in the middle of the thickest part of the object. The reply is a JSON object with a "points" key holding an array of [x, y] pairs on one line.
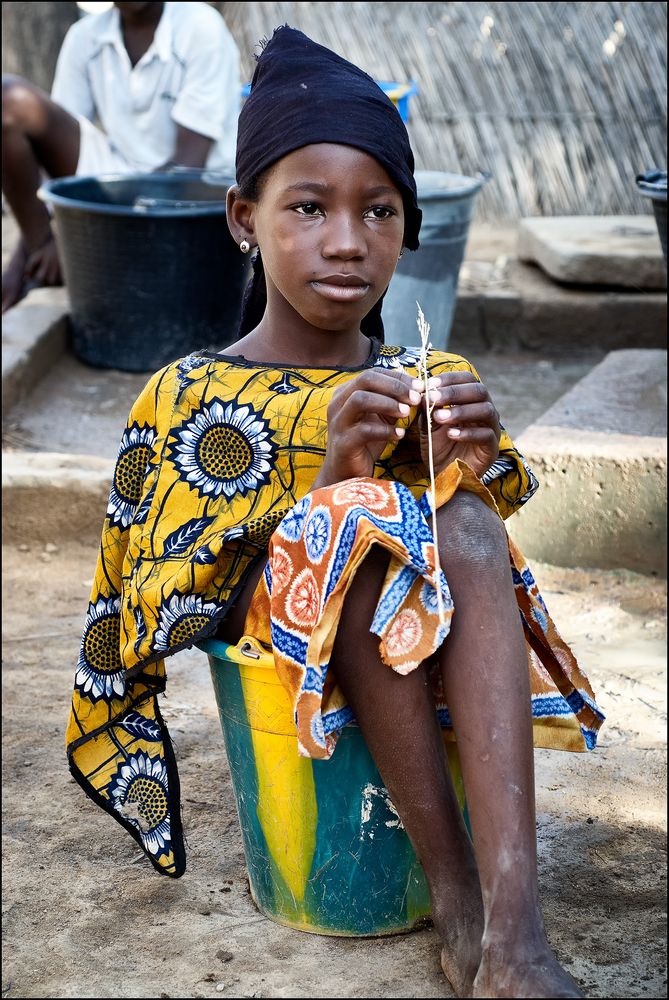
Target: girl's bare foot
{"points": [[461, 930], [459, 962], [502, 974]]}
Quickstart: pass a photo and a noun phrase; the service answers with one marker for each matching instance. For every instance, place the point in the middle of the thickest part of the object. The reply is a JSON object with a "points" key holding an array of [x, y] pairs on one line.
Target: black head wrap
{"points": [[303, 93]]}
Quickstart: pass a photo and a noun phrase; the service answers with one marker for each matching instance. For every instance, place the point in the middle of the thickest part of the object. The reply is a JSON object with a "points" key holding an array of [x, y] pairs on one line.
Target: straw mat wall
{"points": [[564, 103]]}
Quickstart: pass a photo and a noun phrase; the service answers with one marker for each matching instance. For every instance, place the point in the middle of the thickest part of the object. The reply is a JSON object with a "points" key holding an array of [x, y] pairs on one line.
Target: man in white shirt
{"points": [[142, 87]]}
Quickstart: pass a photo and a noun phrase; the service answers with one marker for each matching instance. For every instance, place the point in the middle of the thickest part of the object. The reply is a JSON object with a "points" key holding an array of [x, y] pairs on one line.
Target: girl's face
{"points": [[329, 223]]}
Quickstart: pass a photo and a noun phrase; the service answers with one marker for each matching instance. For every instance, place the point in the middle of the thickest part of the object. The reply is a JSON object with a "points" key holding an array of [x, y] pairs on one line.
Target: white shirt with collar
{"points": [[189, 76]]}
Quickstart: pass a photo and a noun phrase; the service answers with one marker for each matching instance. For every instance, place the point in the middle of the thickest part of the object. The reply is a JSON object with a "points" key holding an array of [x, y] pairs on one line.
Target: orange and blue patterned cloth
{"points": [[218, 454], [314, 554]]}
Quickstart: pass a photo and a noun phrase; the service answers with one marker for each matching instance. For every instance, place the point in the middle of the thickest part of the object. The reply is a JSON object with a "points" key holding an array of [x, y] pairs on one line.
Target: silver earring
{"points": [[401, 254], [245, 246]]}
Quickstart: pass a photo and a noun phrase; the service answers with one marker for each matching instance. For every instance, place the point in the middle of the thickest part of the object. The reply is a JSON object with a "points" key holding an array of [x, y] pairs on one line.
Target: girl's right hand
{"points": [[361, 421]]}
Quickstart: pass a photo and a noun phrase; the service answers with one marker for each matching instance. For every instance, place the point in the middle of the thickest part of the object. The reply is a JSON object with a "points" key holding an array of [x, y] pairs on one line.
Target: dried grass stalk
{"points": [[424, 331]]}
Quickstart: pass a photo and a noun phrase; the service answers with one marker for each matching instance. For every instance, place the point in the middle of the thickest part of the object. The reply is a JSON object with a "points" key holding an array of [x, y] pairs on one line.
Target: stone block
{"points": [[626, 393], [621, 250], [600, 454], [526, 310]]}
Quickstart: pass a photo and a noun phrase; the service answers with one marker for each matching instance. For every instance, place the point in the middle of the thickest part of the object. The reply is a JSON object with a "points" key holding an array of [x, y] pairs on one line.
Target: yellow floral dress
{"points": [[216, 453]]}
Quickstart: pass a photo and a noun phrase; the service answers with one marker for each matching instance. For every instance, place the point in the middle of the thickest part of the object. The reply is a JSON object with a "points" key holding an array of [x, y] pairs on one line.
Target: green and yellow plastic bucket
{"points": [[325, 849]]}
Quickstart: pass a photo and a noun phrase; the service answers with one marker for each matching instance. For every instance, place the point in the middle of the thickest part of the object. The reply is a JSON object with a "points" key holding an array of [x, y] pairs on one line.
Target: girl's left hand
{"points": [[465, 424]]}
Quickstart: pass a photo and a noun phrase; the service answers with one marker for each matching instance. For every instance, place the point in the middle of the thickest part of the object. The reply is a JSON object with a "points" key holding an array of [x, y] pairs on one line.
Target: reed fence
{"points": [[563, 103]]}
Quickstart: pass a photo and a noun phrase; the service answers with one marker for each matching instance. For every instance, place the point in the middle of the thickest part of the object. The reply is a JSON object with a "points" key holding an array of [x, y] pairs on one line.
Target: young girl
{"points": [[279, 490]]}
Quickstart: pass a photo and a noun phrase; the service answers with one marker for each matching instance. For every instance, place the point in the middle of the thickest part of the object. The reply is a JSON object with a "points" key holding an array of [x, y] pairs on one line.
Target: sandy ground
{"points": [[85, 915]]}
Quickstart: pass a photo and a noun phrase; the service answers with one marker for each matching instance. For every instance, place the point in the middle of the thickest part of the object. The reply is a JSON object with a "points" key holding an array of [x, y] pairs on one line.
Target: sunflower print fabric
{"points": [[217, 451]]}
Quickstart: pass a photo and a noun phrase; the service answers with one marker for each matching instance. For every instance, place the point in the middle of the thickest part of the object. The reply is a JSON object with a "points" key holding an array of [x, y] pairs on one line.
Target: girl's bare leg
{"points": [[490, 923], [484, 664], [411, 763], [398, 719]]}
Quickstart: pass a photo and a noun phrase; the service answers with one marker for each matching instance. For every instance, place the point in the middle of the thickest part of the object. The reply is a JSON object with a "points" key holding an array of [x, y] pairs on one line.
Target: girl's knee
{"points": [[470, 532]]}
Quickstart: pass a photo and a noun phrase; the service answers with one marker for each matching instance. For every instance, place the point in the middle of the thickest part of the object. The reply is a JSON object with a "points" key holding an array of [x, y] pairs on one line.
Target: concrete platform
{"points": [[54, 497], [600, 454], [621, 250], [77, 409], [503, 304], [62, 439], [34, 336]]}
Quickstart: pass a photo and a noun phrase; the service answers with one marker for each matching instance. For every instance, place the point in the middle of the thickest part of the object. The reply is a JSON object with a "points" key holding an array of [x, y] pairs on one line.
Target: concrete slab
{"points": [[600, 454], [508, 305], [595, 250], [34, 335], [76, 410], [625, 394], [504, 306], [63, 438]]}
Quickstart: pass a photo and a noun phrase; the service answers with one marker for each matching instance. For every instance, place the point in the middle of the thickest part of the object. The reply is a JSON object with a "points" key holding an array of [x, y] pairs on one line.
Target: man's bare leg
{"points": [[37, 135]]}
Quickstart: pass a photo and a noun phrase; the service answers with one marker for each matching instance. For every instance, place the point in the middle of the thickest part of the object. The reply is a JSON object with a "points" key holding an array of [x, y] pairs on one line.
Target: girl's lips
{"points": [[339, 293]]}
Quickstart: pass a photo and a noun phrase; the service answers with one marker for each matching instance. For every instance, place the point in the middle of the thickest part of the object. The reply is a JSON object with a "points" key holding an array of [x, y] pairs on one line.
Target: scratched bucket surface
{"points": [[325, 850]]}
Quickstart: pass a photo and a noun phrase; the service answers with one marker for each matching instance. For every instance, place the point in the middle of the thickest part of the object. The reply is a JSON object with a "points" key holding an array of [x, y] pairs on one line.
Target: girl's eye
{"points": [[308, 208], [380, 212]]}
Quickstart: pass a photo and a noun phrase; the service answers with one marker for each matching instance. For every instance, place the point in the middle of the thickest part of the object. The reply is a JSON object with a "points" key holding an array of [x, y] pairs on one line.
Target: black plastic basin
{"points": [[151, 268]]}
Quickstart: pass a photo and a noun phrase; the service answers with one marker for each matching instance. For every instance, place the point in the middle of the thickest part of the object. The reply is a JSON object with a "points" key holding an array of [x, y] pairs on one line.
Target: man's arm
{"points": [[210, 87], [191, 149]]}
